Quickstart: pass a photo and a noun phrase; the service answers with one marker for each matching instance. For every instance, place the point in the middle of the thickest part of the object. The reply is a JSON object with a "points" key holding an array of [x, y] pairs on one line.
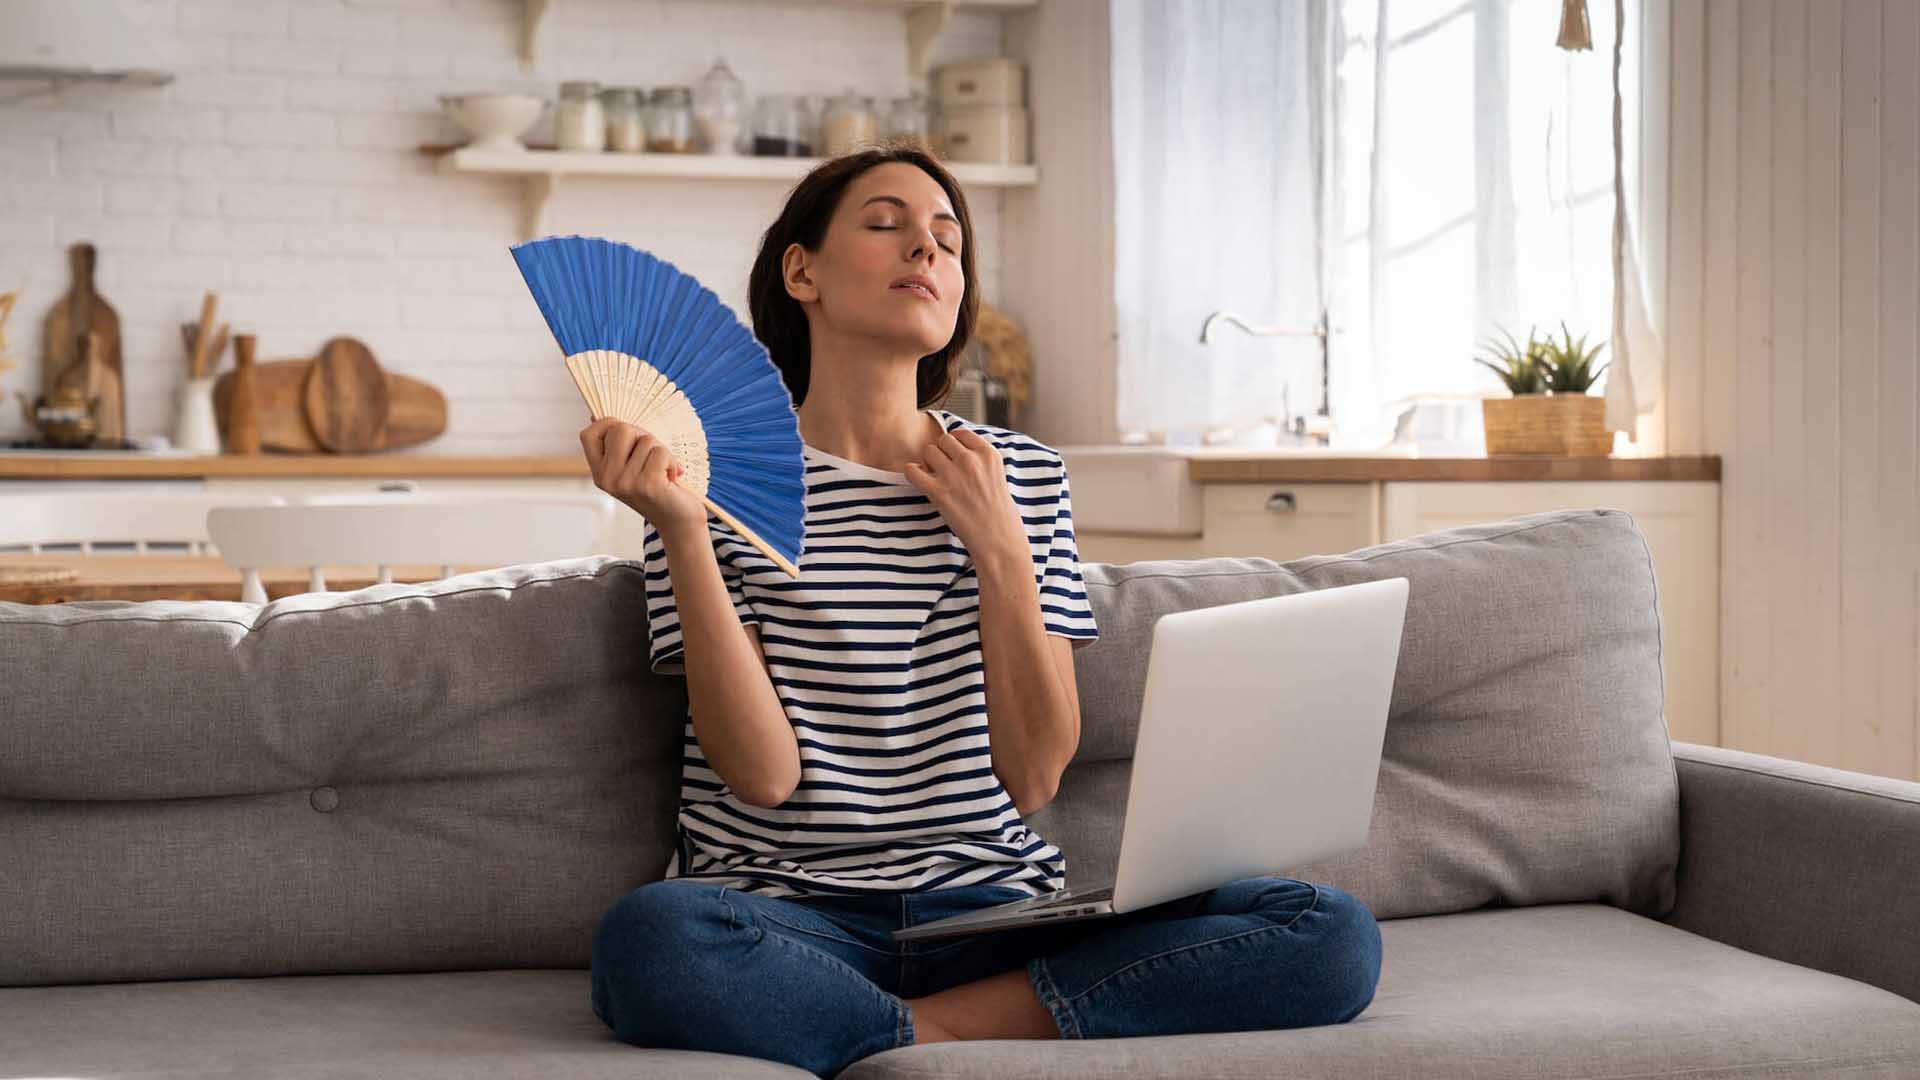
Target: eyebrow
{"points": [[902, 204]]}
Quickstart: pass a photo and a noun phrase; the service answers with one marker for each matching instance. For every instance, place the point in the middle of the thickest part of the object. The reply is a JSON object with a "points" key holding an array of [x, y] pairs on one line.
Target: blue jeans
{"points": [[817, 981]]}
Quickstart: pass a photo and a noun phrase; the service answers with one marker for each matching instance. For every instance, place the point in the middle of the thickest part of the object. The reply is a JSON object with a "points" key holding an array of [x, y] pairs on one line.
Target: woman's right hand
{"points": [[636, 468]]}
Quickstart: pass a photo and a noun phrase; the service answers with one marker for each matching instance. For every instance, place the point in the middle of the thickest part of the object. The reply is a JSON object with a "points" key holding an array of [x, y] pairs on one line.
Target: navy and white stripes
{"points": [[875, 654]]}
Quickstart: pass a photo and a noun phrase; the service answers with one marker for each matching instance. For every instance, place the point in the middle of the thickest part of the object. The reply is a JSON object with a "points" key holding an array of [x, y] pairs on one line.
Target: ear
{"points": [[795, 274]]}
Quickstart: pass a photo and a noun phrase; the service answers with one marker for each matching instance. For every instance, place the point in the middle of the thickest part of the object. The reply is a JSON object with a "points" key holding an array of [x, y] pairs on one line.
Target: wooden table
{"points": [[180, 577]]}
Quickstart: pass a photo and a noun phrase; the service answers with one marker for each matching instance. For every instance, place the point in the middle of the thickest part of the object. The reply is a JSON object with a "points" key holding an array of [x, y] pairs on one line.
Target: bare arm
{"points": [[1033, 707], [738, 719]]}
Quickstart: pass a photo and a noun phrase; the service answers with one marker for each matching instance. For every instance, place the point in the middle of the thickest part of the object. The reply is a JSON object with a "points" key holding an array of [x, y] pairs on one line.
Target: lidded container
{"points": [[782, 127], [626, 119], [720, 106], [580, 123], [995, 134], [911, 120], [998, 81], [849, 123], [670, 120]]}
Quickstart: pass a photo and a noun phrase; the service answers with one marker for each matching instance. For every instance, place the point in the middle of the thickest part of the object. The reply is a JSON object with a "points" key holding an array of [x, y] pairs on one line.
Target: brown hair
{"points": [[778, 319]]}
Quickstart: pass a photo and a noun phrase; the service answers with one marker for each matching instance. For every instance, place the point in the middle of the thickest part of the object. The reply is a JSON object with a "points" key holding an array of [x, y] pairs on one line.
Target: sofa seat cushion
{"points": [[496, 1024], [1563, 990]]}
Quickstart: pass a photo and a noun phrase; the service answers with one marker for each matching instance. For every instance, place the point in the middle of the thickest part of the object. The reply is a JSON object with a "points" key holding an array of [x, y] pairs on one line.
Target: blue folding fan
{"points": [[647, 343]]}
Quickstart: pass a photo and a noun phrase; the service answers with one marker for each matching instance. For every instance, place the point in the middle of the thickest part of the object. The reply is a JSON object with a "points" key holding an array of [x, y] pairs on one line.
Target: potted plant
{"points": [[1551, 411]]}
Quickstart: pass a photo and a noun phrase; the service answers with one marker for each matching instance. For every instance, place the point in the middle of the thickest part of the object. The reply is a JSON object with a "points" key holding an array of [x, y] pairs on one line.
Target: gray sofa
{"points": [[370, 834]]}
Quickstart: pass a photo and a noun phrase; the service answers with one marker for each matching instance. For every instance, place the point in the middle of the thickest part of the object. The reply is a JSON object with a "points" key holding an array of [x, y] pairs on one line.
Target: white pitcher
{"points": [[195, 426]]}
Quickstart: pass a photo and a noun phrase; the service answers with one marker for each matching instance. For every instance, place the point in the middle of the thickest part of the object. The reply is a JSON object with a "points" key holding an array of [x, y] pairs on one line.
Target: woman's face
{"points": [[889, 267]]}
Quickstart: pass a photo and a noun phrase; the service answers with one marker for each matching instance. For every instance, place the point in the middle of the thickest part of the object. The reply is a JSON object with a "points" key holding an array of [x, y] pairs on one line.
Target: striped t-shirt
{"points": [[874, 652]]}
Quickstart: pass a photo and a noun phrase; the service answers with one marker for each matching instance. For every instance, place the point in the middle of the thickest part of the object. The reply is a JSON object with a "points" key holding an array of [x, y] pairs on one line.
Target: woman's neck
{"points": [[868, 418]]}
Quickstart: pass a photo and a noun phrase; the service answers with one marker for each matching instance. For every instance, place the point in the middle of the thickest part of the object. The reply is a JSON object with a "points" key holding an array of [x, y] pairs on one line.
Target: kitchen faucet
{"points": [[1296, 425]]}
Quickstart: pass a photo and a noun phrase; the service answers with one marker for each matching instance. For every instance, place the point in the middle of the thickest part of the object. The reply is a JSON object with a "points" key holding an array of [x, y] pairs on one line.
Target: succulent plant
{"points": [[1568, 364], [1520, 366]]}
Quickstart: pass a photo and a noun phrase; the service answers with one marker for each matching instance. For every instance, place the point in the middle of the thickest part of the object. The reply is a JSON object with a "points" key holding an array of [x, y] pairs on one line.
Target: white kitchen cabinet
{"points": [[1282, 521], [1681, 521]]}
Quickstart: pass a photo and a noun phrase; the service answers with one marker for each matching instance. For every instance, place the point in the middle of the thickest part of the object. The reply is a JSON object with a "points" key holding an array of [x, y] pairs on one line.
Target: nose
{"points": [[924, 246]]}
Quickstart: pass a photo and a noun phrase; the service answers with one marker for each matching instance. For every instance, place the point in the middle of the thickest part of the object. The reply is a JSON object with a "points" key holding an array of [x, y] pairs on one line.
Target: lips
{"points": [[919, 285]]}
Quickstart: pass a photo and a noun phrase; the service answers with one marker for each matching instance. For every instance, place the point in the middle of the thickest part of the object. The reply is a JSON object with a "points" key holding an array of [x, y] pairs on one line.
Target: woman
{"points": [[865, 742]]}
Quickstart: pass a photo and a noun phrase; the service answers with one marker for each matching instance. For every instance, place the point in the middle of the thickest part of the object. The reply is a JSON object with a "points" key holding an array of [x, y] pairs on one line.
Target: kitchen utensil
{"points": [[495, 121], [346, 397], [647, 343], [7, 362], [81, 311], [65, 419], [217, 351], [202, 337], [416, 413], [99, 384], [243, 417]]}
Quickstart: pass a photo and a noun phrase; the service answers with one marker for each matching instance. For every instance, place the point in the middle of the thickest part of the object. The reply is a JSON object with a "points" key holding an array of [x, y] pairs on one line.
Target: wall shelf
{"points": [[925, 20], [542, 170]]}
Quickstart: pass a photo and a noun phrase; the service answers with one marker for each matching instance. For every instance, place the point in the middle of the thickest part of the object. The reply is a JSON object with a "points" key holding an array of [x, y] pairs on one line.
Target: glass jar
{"points": [[670, 120], [848, 124], [782, 127], [720, 107], [911, 120], [626, 122], [579, 123]]}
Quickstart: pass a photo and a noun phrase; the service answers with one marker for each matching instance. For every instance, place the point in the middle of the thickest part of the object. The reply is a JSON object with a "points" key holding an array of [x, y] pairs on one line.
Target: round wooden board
{"points": [[345, 398]]}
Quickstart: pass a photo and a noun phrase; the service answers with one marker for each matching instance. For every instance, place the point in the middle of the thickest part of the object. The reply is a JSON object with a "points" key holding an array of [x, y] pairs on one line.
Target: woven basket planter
{"points": [[1570, 425]]}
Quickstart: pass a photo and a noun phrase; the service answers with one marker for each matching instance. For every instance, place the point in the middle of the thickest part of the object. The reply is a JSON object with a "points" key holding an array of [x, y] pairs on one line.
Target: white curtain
{"points": [[1218, 138], [1275, 158]]}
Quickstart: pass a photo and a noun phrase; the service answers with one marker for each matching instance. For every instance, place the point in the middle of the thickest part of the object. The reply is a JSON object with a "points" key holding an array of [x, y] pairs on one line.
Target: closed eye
{"points": [[889, 228]]}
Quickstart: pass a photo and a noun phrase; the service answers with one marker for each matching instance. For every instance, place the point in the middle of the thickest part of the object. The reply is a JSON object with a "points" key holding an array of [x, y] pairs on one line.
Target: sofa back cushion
{"points": [[462, 774], [1526, 756]]}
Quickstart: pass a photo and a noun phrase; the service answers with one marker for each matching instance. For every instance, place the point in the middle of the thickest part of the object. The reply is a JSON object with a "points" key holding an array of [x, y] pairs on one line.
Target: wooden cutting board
{"points": [[80, 311], [416, 411], [346, 397]]}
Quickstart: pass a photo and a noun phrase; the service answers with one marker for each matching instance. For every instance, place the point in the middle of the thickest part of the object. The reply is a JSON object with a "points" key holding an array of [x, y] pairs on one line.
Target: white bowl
{"points": [[496, 121]]}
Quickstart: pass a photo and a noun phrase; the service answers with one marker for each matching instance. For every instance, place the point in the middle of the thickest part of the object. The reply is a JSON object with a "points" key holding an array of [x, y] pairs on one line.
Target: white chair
{"points": [[404, 528], [64, 518]]}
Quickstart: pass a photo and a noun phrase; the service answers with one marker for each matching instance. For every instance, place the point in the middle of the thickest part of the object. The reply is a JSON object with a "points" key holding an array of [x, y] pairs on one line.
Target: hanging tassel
{"points": [[1575, 34]]}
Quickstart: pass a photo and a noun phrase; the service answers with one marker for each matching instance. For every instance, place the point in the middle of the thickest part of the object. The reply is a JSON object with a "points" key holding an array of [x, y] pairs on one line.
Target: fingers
{"points": [[593, 441], [609, 443], [648, 456]]}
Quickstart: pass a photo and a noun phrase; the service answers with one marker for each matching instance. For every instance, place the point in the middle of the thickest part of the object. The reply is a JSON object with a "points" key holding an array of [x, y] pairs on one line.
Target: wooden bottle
{"points": [[243, 418]]}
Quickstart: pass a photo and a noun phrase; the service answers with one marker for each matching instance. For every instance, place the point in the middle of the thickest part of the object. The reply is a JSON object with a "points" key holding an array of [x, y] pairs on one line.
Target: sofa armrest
{"points": [[1804, 863]]}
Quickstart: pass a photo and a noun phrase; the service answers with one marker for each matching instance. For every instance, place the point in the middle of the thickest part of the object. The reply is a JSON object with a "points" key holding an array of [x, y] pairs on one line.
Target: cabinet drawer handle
{"points": [[1282, 502]]}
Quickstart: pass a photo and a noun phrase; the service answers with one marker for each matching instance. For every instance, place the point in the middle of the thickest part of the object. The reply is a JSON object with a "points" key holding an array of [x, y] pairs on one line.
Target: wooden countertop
{"points": [[1361, 469], [83, 465], [109, 465]]}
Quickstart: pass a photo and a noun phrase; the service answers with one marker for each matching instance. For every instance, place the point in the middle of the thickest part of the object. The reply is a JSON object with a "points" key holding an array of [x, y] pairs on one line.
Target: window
{"points": [[1424, 170]]}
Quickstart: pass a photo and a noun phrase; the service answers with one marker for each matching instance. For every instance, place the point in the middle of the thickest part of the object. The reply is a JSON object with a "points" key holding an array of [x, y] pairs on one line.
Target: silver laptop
{"points": [[1260, 739]]}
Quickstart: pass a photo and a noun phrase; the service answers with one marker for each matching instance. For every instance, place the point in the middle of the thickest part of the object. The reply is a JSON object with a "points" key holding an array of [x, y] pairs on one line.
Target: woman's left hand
{"points": [[964, 479]]}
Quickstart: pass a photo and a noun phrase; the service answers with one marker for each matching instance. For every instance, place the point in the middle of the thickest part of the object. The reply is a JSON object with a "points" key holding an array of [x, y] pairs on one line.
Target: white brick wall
{"points": [[281, 169]]}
